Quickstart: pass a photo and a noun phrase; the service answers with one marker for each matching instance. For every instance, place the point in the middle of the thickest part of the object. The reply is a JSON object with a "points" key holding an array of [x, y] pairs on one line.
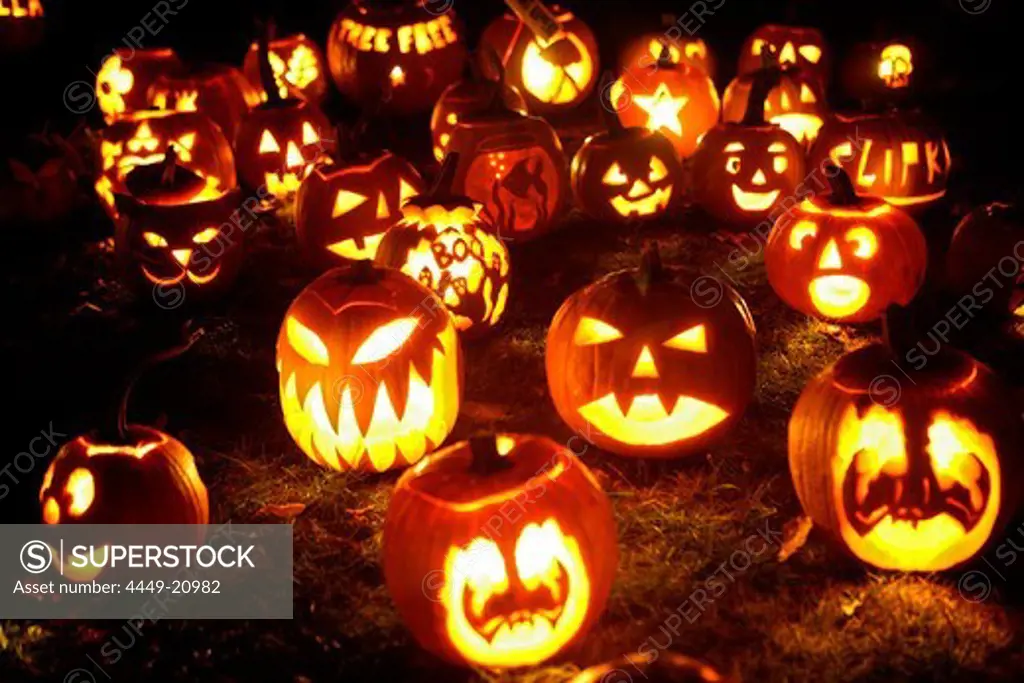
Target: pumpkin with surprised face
{"points": [[521, 555]]}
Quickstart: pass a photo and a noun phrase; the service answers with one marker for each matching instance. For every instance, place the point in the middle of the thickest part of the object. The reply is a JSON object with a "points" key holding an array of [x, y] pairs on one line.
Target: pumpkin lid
{"points": [[165, 183]]}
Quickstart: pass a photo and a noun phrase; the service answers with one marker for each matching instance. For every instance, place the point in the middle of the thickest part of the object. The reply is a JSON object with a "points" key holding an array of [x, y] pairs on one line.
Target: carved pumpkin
{"points": [[405, 48], [143, 138], [465, 97], [514, 166], [845, 258], [370, 369], [125, 77], [444, 243], [553, 76], [219, 91], [22, 25], [493, 588], [899, 157], [743, 171], [796, 103], [644, 51], [666, 666], [790, 46], [638, 367], [879, 70], [677, 100], [344, 208], [150, 478], [298, 66], [172, 235], [913, 478], [984, 259]]}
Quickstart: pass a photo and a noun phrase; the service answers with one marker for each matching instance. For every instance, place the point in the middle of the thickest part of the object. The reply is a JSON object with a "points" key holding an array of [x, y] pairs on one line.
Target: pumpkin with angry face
{"points": [[370, 369], [521, 555], [125, 76], [640, 365], [788, 46], [845, 258], [796, 103]]}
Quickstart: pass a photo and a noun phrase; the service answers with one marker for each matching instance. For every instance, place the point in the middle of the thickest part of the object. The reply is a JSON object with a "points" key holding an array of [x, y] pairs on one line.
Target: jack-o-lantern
{"points": [[468, 96], [626, 174], [499, 597], [843, 257], [897, 156], [639, 366], [644, 51], [39, 182], [443, 242], [125, 77], [370, 369], [880, 71], [514, 166], [343, 208], [796, 103], [790, 46], [987, 246], [143, 138], [743, 171], [916, 477], [665, 666], [298, 66], [553, 72], [172, 232], [405, 49], [22, 24], [677, 100], [218, 90]]}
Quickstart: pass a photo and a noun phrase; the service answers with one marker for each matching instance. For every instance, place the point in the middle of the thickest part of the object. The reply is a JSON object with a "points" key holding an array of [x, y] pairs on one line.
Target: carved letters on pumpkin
{"points": [[424, 37], [21, 8]]}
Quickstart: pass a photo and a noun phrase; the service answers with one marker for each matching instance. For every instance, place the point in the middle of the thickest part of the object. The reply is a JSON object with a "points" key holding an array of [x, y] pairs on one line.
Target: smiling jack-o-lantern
{"points": [[988, 247], [843, 257], [298, 66], [639, 365], [218, 90], [916, 477], [370, 369], [125, 77], [899, 157], [510, 594], [790, 46], [467, 97], [645, 50], [796, 103]]}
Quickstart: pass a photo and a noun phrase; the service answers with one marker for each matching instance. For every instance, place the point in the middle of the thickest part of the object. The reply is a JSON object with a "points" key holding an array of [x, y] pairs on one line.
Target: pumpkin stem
{"points": [[492, 61], [363, 272], [170, 164], [155, 359], [651, 268], [665, 56], [840, 186], [267, 79], [446, 179], [485, 457], [765, 80]]}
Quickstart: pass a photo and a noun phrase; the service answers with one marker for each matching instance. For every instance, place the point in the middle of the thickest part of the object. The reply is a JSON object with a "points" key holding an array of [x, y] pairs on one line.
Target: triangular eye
{"points": [[385, 340], [268, 143], [691, 339], [382, 206], [812, 53], [614, 175], [309, 135], [306, 343], [658, 170], [345, 201], [405, 191], [188, 140], [806, 94], [592, 331]]}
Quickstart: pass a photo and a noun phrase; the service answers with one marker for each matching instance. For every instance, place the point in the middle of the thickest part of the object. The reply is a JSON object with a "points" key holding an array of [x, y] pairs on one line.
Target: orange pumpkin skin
{"points": [[915, 475], [881, 71], [666, 666], [638, 367], [464, 98], [643, 52], [518, 508], [298, 65], [988, 244], [125, 76], [149, 479], [798, 46], [797, 103], [218, 90], [844, 258]]}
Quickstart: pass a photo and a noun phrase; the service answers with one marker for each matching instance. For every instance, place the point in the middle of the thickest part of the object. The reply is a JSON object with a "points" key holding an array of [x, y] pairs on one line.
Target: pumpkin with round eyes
{"points": [[503, 597], [790, 46], [638, 367], [989, 242], [898, 156], [297, 63], [845, 258], [915, 477], [370, 369], [644, 51], [796, 103], [743, 171], [218, 90], [666, 667], [125, 77], [150, 478]]}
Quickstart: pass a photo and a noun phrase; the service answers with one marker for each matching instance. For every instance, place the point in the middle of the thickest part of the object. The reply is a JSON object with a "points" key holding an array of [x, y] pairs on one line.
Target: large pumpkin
{"points": [[218, 90], [984, 259], [370, 369], [298, 67], [652, 362], [900, 157], [553, 76], [796, 103], [465, 97], [125, 76], [912, 474], [843, 257], [405, 49], [789, 46], [520, 555]]}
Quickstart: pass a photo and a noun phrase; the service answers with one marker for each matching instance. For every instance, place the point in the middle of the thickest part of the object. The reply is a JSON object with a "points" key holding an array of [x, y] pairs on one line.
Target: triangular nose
{"points": [[645, 366], [830, 258], [293, 158], [382, 206], [759, 178], [639, 189], [788, 54], [181, 255]]}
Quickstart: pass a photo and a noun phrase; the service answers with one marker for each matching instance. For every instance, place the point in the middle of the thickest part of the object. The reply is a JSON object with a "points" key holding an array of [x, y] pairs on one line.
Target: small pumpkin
{"points": [[914, 476], [493, 588], [443, 242], [843, 257], [796, 103], [791, 46], [370, 369], [880, 70], [298, 66], [743, 171], [644, 50], [984, 259], [639, 367], [657, 666], [126, 75], [218, 90]]}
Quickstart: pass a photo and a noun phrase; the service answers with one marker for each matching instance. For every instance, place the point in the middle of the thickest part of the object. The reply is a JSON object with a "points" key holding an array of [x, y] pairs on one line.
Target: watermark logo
{"points": [[36, 557], [975, 6]]}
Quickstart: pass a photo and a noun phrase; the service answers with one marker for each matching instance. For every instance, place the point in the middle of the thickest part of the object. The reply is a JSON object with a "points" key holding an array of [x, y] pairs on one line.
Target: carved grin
{"points": [[169, 281], [838, 296], [804, 127], [754, 201], [643, 206], [647, 423], [522, 629]]}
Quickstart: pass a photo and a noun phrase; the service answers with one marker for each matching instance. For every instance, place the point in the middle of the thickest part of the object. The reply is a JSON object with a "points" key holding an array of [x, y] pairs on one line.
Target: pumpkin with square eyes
{"points": [[788, 46], [638, 367], [296, 61], [508, 597], [744, 171], [796, 102], [218, 90], [644, 51], [467, 97], [845, 258], [370, 369], [125, 77]]}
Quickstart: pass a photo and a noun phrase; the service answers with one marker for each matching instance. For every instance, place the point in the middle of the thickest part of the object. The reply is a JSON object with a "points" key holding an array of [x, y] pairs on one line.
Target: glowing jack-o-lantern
{"points": [[918, 481], [125, 77], [895, 64], [22, 24], [639, 368], [666, 667], [881, 72], [796, 103], [344, 208], [149, 478], [219, 91], [896, 156], [553, 75], [370, 369], [405, 49], [843, 257], [298, 66], [508, 597], [444, 243], [986, 241], [788, 46], [645, 50], [744, 171], [467, 97]]}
